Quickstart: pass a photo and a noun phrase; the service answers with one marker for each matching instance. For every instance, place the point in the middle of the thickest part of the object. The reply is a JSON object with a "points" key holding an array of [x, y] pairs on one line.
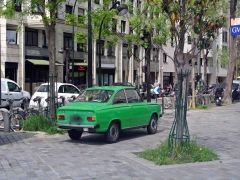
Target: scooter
{"points": [[218, 101], [218, 96]]}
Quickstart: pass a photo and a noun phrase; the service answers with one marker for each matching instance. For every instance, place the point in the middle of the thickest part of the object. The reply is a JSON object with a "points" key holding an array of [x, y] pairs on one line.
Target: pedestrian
{"points": [[157, 91]]}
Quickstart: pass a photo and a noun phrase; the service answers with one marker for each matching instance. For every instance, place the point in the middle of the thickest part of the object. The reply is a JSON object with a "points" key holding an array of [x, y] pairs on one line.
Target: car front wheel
{"points": [[113, 132], [74, 134], [152, 126]]}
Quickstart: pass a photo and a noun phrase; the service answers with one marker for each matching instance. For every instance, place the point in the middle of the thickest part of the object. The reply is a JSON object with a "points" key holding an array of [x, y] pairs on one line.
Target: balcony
{"points": [[107, 62], [36, 51]]}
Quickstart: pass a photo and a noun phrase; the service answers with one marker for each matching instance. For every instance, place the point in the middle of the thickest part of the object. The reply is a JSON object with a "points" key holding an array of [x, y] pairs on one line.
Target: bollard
{"points": [[162, 105], [5, 114]]}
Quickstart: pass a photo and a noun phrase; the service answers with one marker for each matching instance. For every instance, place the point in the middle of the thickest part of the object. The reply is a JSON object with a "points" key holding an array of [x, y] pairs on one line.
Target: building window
{"points": [[138, 3], [81, 47], [114, 25], [131, 2], [224, 37], [97, 1], [67, 40], [31, 37], [17, 5], [123, 26], [164, 58], [189, 40], [81, 12], [11, 36], [68, 9], [45, 43], [130, 30], [111, 51], [100, 44]]}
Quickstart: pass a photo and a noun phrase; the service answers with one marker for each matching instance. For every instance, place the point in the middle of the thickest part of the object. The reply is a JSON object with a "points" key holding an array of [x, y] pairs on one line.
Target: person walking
{"points": [[157, 91]]}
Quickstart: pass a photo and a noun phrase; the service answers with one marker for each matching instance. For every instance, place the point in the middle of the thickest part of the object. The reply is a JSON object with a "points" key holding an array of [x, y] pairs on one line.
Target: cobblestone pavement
{"points": [[39, 156]]}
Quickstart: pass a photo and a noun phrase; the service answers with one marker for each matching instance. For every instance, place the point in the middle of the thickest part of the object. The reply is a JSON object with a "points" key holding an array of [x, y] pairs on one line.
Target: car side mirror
{"points": [[20, 88]]}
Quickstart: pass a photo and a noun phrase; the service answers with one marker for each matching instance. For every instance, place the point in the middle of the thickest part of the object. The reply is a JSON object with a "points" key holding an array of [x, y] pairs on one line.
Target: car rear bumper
{"points": [[89, 128]]}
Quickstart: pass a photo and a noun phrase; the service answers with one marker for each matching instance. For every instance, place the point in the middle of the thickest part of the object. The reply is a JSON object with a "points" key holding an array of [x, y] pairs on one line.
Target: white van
{"points": [[11, 90]]}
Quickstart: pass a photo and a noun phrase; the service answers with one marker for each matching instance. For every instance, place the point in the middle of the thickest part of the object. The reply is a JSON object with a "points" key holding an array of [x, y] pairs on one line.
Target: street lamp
{"points": [[122, 10], [73, 24]]}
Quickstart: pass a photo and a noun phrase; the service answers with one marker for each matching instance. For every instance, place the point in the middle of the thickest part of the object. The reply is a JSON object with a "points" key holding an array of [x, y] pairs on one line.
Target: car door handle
{"points": [[10, 94]]}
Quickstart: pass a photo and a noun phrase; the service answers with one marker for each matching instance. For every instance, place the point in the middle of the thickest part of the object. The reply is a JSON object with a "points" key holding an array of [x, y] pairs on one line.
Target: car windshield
{"points": [[95, 96], [43, 88]]}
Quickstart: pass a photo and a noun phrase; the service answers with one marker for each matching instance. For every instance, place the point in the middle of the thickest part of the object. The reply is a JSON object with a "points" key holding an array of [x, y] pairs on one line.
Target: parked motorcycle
{"points": [[218, 96]]}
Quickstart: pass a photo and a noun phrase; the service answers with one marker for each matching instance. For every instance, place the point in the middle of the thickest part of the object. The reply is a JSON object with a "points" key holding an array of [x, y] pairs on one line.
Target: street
{"points": [[40, 156]]}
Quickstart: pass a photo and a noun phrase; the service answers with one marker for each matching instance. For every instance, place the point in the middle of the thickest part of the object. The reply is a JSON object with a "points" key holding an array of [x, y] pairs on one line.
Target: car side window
{"points": [[12, 87], [120, 98], [71, 89], [61, 89], [132, 96]]}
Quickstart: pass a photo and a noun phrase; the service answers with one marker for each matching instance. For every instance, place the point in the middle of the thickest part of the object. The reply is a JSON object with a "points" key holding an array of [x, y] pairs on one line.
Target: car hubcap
{"points": [[114, 132], [154, 124]]}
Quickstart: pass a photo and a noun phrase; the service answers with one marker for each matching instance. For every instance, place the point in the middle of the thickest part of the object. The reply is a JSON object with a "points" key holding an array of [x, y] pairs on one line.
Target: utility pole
{"points": [[89, 69], [147, 47]]}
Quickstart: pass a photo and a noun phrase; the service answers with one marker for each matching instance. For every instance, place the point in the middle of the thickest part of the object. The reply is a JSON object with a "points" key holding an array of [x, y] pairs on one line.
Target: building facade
{"points": [[24, 53]]}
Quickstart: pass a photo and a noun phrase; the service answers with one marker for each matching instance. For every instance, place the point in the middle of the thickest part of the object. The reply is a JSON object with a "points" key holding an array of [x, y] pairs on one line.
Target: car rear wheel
{"points": [[74, 134], [113, 132], [152, 126]]}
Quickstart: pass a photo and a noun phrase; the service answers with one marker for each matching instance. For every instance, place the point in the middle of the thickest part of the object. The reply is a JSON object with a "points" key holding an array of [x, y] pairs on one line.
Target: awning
{"points": [[42, 62]]}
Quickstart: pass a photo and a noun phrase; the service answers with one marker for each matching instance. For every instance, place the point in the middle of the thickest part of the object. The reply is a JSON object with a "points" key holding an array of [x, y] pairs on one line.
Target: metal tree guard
{"points": [[179, 132]]}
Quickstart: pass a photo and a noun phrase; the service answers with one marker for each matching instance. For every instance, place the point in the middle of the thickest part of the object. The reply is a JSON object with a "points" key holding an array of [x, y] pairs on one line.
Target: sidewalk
{"points": [[56, 157]]}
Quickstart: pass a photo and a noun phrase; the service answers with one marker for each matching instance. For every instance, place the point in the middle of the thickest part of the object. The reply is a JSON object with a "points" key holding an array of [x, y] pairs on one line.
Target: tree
{"points": [[199, 19], [48, 12], [232, 57]]}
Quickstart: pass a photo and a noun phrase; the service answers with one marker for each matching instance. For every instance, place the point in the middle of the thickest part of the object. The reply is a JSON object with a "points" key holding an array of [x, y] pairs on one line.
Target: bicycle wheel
{"points": [[15, 121]]}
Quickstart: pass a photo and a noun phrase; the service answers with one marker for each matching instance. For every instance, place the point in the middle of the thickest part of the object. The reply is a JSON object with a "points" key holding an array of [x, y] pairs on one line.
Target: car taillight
{"points": [[91, 118], [60, 116]]}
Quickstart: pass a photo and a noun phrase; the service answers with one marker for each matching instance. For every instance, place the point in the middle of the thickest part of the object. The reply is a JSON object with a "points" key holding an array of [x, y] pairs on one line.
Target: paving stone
{"points": [[34, 156]]}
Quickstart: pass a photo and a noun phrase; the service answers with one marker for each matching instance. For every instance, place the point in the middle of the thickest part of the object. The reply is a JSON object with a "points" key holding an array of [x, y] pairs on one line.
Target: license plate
{"points": [[85, 129], [76, 118]]}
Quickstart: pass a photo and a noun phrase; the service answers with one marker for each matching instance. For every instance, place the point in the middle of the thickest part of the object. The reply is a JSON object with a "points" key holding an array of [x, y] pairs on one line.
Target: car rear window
{"points": [[43, 88], [101, 96]]}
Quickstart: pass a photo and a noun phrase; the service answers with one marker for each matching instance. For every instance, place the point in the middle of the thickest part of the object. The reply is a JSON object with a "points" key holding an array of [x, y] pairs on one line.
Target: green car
{"points": [[109, 110]]}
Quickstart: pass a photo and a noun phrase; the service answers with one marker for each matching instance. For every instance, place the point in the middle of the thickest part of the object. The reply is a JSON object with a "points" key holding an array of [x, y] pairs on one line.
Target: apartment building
{"points": [[24, 53]]}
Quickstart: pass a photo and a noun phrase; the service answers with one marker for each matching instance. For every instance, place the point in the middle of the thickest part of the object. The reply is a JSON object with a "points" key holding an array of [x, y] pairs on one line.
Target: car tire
{"points": [[153, 125], [74, 134], [113, 133]]}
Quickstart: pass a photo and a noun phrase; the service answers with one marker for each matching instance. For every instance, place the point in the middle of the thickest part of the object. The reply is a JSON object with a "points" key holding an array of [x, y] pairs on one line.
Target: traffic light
{"points": [[146, 38]]}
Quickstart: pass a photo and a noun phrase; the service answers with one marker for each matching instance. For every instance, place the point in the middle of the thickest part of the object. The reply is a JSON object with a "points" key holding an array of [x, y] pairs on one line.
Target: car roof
{"points": [[5, 79], [113, 88]]}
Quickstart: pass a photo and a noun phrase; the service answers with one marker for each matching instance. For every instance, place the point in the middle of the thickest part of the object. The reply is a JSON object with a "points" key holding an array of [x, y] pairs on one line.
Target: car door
{"points": [[139, 113], [121, 109], [15, 93], [4, 94]]}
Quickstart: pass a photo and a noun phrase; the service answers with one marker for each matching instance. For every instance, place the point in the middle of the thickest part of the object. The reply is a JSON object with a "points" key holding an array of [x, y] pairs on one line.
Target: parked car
{"points": [[11, 90], [62, 89], [109, 110]]}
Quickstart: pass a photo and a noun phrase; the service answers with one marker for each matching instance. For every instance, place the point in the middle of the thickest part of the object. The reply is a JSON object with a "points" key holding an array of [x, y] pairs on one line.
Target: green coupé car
{"points": [[109, 110]]}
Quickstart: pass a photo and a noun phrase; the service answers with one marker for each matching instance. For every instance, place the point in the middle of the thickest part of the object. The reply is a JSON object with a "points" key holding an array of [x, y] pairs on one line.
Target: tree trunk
{"points": [[232, 58], [51, 35], [205, 66], [193, 83]]}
